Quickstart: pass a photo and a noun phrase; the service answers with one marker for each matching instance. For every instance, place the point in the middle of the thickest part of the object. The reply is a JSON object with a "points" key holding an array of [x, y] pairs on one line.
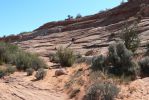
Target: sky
{"points": [[26, 15]]}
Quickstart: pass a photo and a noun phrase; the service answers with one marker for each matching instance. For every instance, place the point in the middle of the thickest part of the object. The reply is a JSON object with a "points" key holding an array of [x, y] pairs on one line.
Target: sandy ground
{"points": [[21, 87]]}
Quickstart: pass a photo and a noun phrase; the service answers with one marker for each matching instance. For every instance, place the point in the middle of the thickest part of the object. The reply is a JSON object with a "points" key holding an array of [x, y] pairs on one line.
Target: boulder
{"points": [[60, 72]]}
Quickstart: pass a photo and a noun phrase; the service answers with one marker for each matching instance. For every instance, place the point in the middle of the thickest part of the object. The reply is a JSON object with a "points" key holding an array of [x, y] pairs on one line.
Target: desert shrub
{"points": [[100, 91], [29, 71], [85, 59], [147, 51], [10, 69], [130, 37], [23, 61], [53, 57], [8, 52], [11, 54], [78, 56], [121, 59], [36, 62], [65, 56], [74, 92], [73, 79], [2, 72], [111, 36], [78, 16], [40, 74], [26, 60], [6, 70], [2, 50], [99, 63], [144, 63]]}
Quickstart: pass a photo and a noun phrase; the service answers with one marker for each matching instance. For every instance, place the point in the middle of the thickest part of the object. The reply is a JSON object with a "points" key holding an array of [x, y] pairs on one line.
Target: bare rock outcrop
{"points": [[20, 87]]}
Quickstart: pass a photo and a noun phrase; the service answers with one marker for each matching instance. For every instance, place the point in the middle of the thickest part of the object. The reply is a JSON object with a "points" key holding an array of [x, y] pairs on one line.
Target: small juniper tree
{"points": [[121, 59], [78, 16], [99, 63], [130, 37]]}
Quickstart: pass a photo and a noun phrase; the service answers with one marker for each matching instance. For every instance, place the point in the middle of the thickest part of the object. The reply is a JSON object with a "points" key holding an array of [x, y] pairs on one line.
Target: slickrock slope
{"points": [[90, 32], [21, 87], [85, 39]]}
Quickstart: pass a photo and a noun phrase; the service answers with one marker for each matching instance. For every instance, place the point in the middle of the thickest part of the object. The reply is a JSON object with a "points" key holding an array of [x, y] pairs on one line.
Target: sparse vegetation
{"points": [[74, 93], [121, 59], [11, 54], [99, 63], [36, 62], [100, 91], [10, 69], [2, 72], [147, 47], [78, 16], [8, 52], [26, 60], [53, 57], [119, 62], [65, 56], [29, 71], [40, 74], [144, 63], [22, 33], [6, 70], [73, 79], [69, 17], [130, 37]]}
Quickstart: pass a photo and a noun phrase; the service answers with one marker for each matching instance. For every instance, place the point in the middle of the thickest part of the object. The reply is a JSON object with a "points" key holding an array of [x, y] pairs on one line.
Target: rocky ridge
{"points": [[90, 32]]}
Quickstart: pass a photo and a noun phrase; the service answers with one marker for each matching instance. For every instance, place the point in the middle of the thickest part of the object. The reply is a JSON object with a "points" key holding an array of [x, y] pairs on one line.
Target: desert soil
{"points": [[21, 87]]}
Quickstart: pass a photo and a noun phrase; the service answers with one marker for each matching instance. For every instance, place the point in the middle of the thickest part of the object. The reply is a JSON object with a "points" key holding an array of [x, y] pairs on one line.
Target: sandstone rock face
{"points": [[21, 87], [90, 32]]}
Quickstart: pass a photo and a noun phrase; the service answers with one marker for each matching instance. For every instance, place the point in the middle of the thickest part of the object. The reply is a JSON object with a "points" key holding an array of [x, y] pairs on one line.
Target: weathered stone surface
{"points": [[20, 87]]}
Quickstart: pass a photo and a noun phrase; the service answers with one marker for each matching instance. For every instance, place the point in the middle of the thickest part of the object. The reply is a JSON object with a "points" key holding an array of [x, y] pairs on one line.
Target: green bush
{"points": [[99, 63], [147, 51], [144, 63], [11, 54], [10, 69], [40, 74], [53, 58], [65, 56], [121, 59], [26, 60], [8, 52], [23, 61], [36, 62], [2, 50], [7, 70], [2, 72], [29, 71], [130, 37], [8, 49], [100, 91]]}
